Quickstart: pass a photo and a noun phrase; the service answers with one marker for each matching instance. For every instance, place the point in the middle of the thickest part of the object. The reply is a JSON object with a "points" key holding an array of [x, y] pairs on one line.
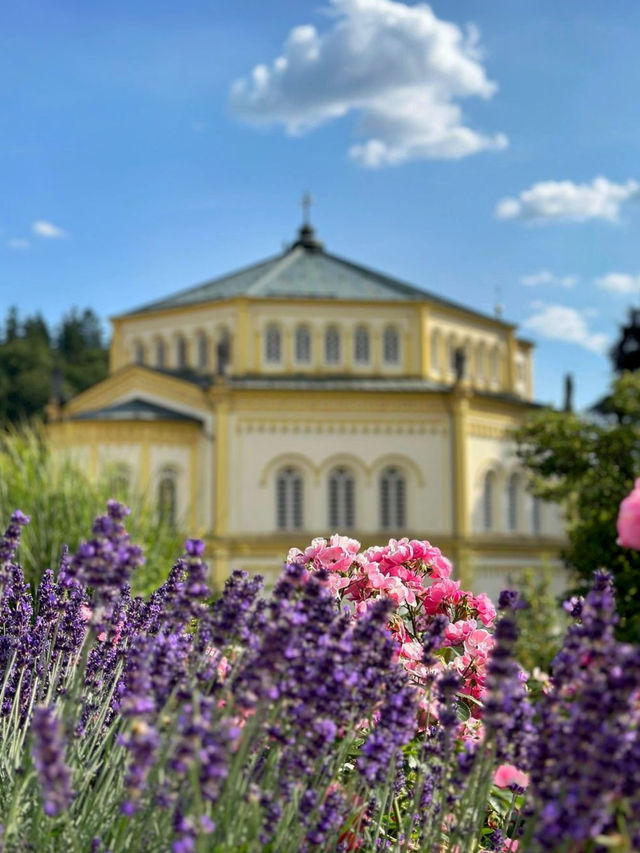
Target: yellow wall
{"points": [[491, 345]]}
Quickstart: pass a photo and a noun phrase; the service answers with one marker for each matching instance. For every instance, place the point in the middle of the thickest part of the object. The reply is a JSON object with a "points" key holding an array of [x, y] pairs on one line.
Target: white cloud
{"points": [[399, 67], [619, 282], [18, 243], [562, 323], [47, 229], [564, 201], [546, 277]]}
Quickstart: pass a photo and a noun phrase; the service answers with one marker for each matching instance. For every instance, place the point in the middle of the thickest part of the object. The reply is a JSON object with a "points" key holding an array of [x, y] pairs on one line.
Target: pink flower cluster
{"points": [[629, 519], [417, 577]]}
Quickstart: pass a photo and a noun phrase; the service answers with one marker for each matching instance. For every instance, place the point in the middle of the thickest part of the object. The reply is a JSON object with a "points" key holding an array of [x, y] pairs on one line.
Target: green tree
{"points": [[35, 329], [12, 325], [25, 378], [589, 464], [625, 354], [29, 356]]}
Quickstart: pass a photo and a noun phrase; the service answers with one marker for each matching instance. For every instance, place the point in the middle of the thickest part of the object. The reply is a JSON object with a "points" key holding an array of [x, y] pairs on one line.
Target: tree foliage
{"points": [[625, 354], [589, 464], [30, 353]]}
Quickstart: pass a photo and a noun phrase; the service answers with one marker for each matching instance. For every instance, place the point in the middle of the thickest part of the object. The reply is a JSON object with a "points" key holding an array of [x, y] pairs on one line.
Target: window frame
{"points": [[392, 508], [341, 493], [390, 334], [272, 344], [289, 483]]}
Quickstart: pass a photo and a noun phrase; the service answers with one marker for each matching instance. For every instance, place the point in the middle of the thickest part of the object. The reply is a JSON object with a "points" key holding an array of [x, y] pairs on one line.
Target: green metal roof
{"points": [[304, 271]]}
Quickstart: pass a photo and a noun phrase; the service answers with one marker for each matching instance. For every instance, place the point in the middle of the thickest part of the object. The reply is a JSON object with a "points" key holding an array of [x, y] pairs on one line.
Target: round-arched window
{"points": [[393, 499], [342, 487], [289, 499]]}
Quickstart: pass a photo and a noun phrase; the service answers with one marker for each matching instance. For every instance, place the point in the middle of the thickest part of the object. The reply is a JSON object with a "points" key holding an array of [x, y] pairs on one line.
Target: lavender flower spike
{"points": [[11, 539], [48, 755]]}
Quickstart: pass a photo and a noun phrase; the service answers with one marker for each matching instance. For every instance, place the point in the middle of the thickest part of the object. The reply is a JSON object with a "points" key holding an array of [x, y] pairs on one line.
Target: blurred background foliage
{"points": [[542, 625], [63, 502], [588, 463], [37, 363]]}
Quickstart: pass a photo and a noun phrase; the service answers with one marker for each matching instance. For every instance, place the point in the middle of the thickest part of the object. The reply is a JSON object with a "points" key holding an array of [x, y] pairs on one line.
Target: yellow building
{"points": [[307, 394]]}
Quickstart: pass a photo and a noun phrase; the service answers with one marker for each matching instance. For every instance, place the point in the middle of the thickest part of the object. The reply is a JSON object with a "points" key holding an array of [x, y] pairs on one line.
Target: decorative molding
{"points": [[353, 427], [482, 429]]}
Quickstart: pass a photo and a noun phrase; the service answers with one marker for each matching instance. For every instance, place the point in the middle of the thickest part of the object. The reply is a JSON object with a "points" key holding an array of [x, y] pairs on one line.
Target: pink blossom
{"points": [[294, 555], [443, 592], [439, 566], [483, 604], [85, 612], [312, 550], [457, 632], [479, 643], [412, 650], [397, 591], [336, 582], [222, 666], [349, 546], [629, 519], [507, 775]]}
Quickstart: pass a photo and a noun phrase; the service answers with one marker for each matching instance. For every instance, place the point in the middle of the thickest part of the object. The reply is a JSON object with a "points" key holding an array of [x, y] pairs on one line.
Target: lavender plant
{"points": [[288, 721]]}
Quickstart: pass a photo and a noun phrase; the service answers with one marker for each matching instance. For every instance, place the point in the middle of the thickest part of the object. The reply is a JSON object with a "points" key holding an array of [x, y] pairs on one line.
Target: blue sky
{"points": [[463, 147]]}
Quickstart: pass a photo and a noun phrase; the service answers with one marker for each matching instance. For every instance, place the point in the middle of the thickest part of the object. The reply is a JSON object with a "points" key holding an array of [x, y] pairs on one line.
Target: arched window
{"points": [[435, 351], [289, 496], [536, 515], [273, 345], [480, 365], [342, 489], [452, 354], [120, 482], [138, 352], [488, 493], [161, 353], [203, 351], [332, 345], [303, 345], [223, 353], [361, 346], [391, 345], [167, 498], [494, 365], [181, 352], [393, 499], [513, 502]]}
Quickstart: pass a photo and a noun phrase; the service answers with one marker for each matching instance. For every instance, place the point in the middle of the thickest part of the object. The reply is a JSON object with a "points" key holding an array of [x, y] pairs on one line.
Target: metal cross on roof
{"points": [[306, 202]]}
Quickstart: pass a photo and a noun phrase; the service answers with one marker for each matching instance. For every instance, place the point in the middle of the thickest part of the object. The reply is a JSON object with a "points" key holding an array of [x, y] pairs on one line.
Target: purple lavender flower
{"points": [[48, 755], [141, 741], [432, 638], [511, 599], [105, 563], [331, 816], [586, 757], [228, 618], [508, 714], [11, 539]]}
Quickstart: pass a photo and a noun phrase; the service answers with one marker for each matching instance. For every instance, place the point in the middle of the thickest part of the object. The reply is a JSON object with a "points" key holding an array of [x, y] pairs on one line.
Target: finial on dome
{"points": [[306, 233], [305, 203]]}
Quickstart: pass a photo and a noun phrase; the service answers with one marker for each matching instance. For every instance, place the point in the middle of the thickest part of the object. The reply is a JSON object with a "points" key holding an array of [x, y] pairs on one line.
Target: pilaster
{"points": [[221, 471], [424, 342], [241, 351]]}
